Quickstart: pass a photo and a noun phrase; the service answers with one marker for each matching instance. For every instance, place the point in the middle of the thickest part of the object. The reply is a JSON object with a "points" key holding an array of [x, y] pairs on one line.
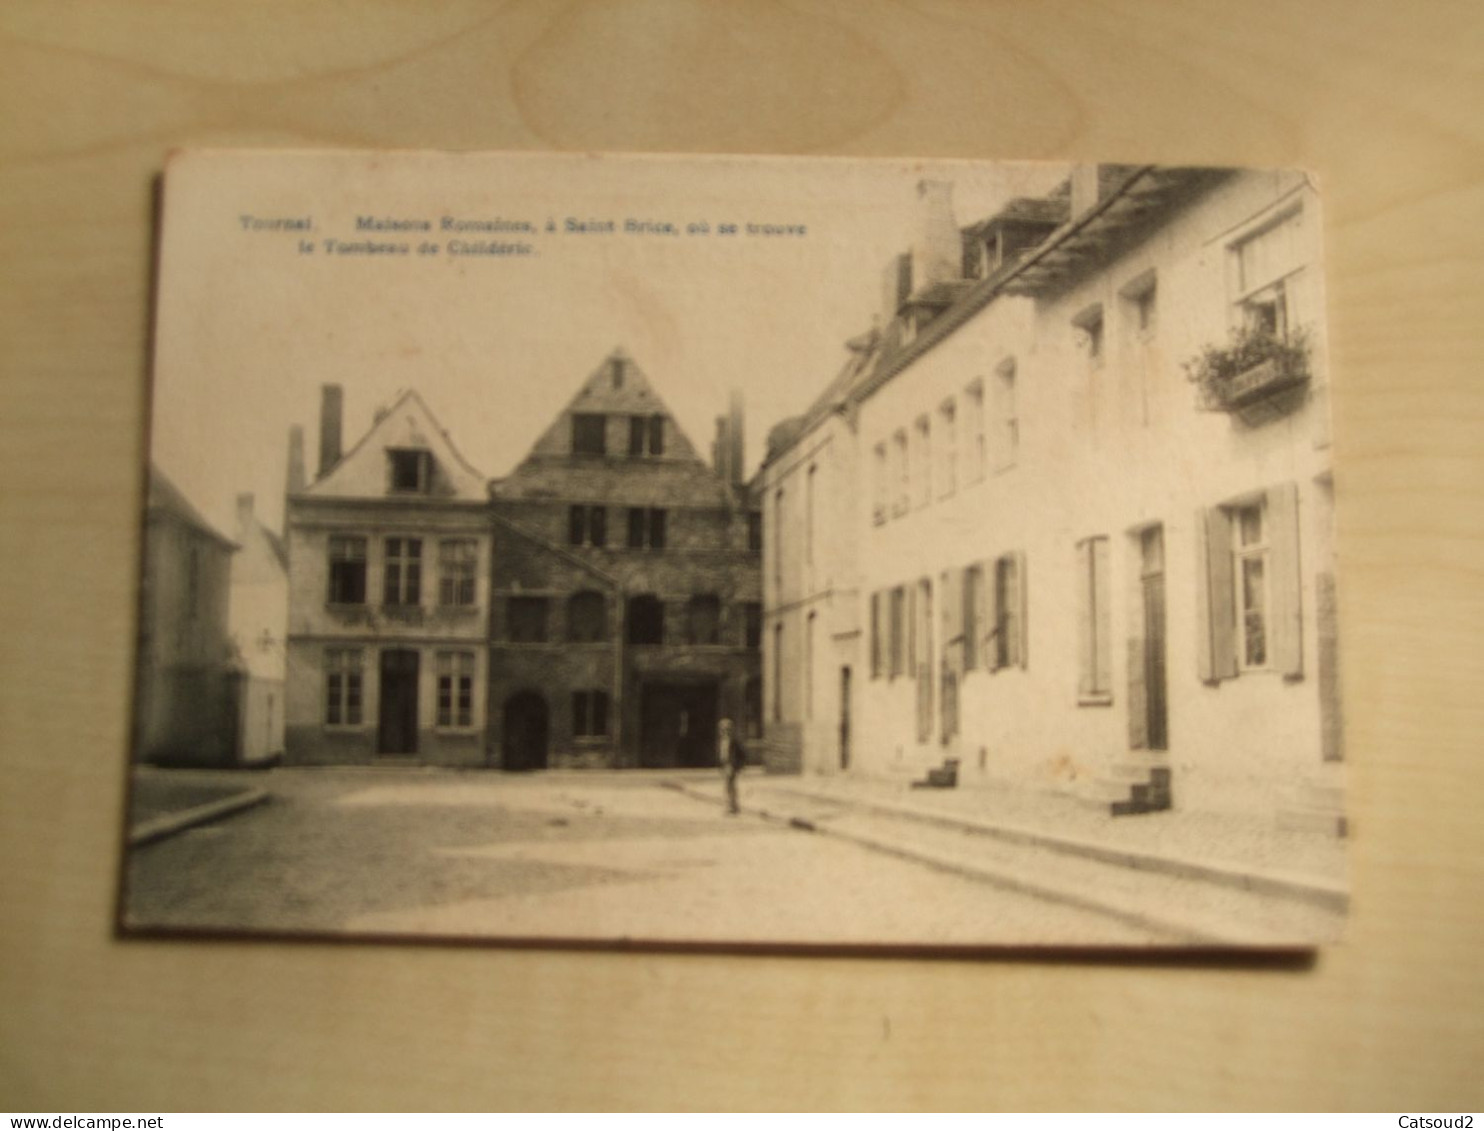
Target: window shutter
{"points": [[1285, 587], [1138, 696], [1216, 617], [980, 627], [875, 635], [993, 615], [1022, 623], [1138, 691]]}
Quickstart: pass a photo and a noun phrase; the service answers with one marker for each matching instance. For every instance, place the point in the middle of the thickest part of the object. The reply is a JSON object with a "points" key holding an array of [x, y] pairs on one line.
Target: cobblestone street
{"points": [[590, 856]]}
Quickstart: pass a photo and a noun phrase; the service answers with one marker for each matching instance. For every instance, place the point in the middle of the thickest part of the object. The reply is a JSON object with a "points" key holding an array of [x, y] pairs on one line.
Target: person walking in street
{"points": [[731, 756]]}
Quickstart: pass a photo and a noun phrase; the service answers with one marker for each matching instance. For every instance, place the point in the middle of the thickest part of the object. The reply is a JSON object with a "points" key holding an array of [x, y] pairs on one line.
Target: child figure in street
{"points": [[731, 756]]}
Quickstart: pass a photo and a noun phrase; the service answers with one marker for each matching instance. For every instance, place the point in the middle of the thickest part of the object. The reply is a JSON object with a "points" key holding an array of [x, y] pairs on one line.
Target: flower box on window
{"points": [[1256, 376]]}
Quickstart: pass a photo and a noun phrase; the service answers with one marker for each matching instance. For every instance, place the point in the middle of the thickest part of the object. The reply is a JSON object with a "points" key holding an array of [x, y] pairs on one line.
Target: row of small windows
{"points": [[964, 439], [528, 620], [983, 612], [1248, 605], [647, 527], [590, 435], [402, 571], [344, 687]]}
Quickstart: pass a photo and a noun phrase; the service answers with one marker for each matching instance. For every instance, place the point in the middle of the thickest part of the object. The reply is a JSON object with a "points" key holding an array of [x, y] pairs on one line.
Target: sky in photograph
{"points": [[250, 325]]}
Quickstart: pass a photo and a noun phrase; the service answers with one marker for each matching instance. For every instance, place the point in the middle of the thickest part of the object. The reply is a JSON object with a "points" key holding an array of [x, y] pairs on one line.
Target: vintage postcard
{"points": [[731, 551]]}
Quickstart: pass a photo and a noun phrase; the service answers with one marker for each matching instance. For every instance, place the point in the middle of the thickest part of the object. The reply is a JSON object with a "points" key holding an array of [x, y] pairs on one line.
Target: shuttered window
{"points": [[1248, 582]]}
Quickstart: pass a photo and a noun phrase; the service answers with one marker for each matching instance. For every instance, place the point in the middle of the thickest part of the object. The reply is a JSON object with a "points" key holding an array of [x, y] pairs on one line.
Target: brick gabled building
{"points": [[626, 610]]}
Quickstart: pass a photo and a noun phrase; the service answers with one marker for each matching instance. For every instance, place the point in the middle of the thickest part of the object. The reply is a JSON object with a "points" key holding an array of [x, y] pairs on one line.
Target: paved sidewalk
{"points": [[163, 802], [1230, 849]]}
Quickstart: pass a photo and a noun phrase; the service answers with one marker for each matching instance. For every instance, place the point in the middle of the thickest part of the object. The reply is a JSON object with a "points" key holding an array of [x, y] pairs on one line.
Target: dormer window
{"points": [[646, 435], [411, 470], [1089, 326], [589, 434]]}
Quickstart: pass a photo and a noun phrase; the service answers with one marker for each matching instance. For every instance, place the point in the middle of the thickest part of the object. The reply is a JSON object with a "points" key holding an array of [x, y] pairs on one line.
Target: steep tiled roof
{"points": [[165, 498]]}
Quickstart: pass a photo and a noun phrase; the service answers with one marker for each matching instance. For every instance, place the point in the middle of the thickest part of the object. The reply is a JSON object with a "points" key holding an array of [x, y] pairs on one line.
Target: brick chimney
{"points": [[296, 480], [734, 438], [331, 401], [936, 252], [937, 248]]}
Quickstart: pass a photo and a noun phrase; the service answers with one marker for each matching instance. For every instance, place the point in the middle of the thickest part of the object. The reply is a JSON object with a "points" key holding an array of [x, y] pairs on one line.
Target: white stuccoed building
{"points": [[1014, 535]]}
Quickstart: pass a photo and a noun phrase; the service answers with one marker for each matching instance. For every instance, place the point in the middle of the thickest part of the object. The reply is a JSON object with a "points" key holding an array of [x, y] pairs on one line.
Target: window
{"points": [[753, 614], [587, 525], [646, 435], [455, 689], [1006, 417], [615, 370], [778, 673], [410, 469], [1250, 599], [880, 485], [646, 528], [973, 615], [948, 454], [590, 714], [587, 617], [589, 434], [901, 466], [343, 687], [526, 619], [755, 531], [646, 619], [974, 447], [457, 559], [753, 696], [922, 657], [703, 619], [922, 462], [1264, 267], [1090, 326], [404, 571], [347, 570], [778, 544], [1007, 615], [1094, 623], [1140, 306], [1250, 569]]}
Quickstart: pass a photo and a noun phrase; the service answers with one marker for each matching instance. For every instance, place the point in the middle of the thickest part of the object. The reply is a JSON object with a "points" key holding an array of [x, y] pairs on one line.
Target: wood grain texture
{"points": [[1382, 100]]}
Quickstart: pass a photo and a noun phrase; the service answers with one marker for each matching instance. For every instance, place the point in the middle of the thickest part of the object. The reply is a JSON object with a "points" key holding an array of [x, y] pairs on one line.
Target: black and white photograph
{"points": [[786, 552]]}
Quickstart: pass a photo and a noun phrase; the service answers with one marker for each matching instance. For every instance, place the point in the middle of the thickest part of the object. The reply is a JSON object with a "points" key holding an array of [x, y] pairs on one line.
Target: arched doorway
{"points": [[525, 732]]}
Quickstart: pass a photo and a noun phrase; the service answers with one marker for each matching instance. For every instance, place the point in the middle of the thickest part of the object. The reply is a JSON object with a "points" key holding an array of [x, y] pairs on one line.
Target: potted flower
{"points": [[1251, 370]]}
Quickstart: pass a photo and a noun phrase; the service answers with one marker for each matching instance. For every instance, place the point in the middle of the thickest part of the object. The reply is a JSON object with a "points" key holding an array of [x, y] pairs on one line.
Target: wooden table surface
{"points": [[1381, 99]]}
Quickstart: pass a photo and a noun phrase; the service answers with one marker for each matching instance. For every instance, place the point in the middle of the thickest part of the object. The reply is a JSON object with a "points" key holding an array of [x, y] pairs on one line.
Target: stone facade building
{"points": [[389, 553], [626, 608], [1014, 537]]}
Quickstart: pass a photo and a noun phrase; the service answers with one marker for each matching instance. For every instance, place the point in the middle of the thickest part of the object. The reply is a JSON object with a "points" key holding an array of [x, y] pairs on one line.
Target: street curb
{"points": [[1177, 932], [1301, 889], [158, 828]]}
